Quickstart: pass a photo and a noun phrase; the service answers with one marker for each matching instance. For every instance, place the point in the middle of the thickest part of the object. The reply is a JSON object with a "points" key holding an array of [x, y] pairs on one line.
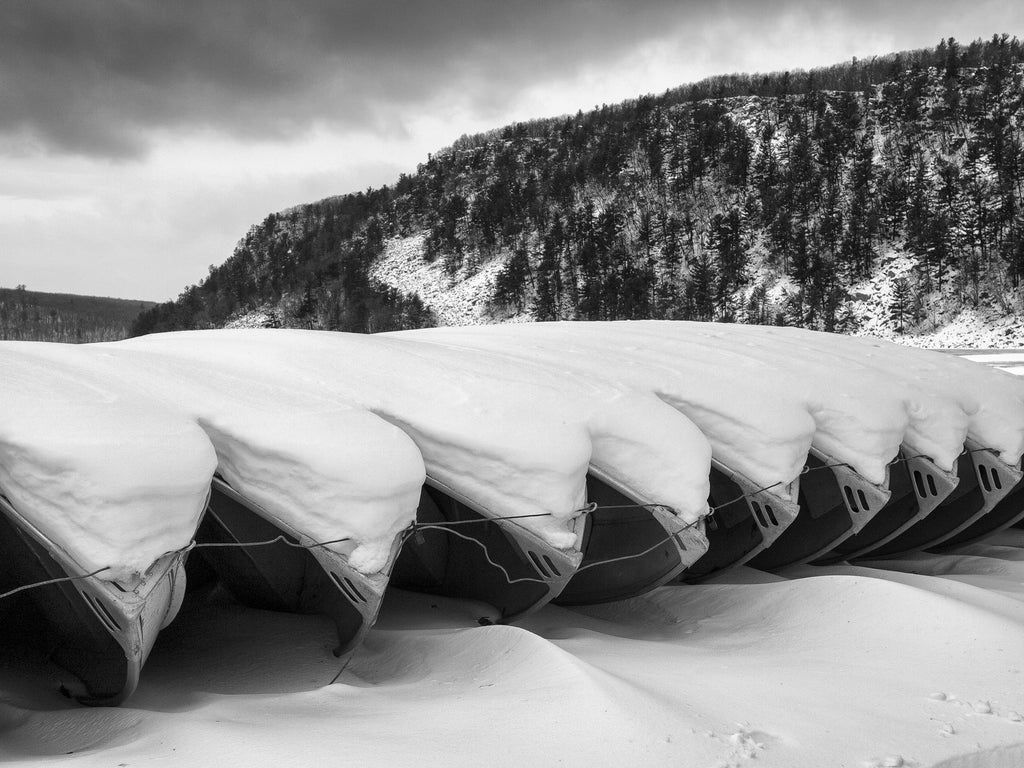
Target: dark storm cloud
{"points": [[101, 77], [98, 77]]}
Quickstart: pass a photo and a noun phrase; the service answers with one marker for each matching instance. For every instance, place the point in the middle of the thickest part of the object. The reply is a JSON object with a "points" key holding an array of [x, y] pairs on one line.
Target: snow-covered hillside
{"points": [[467, 300]]}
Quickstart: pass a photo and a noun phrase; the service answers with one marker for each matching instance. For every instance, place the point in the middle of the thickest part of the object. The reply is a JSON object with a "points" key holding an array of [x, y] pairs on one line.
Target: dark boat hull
{"points": [[974, 497], [495, 561], [746, 521], [835, 504], [299, 578], [1006, 513], [918, 487], [99, 632], [629, 550]]}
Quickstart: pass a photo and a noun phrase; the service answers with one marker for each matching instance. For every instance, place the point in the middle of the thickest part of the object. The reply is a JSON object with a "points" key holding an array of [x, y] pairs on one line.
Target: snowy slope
{"points": [[465, 299], [461, 299], [945, 323]]}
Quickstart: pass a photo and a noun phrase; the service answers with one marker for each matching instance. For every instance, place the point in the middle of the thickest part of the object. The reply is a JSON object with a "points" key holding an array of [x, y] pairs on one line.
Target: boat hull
{"points": [[297, 577], [835, 504], [480, 557], [746, 521], [629, 548], [973, 498], [1004, 514], [99, 632], [918, 487]]}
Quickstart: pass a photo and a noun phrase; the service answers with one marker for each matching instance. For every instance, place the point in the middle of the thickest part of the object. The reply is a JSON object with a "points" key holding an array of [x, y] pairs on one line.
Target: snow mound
{"points": [[515, 438], [992, 400], [504, 445], [101, 469], [758, 432], [320, 465], [760, 411]]}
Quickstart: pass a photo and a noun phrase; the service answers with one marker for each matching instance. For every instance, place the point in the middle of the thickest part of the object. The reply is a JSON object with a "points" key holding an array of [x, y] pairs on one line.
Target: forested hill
{"points": [[35, 316], [886, 191]]}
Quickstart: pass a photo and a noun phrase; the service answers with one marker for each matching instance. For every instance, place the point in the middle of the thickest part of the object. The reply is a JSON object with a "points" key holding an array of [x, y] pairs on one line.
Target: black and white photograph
{"points": [[451, 383]]}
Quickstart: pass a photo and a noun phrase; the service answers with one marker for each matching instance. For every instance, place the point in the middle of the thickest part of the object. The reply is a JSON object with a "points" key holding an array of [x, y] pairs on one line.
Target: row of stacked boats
{"points": [[514, 465]]}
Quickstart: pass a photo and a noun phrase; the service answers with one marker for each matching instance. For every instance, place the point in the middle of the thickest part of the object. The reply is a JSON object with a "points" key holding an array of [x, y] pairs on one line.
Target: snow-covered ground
{"points": [[911, 662], [915, 663]]}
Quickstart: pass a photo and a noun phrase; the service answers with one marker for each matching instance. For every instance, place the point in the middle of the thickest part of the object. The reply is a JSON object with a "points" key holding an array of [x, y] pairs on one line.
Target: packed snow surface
{"points": [[104, 471]]}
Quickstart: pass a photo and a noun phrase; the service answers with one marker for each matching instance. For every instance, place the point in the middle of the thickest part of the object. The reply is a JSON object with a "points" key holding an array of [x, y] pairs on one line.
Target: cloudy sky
{"points": [[139, 140]]}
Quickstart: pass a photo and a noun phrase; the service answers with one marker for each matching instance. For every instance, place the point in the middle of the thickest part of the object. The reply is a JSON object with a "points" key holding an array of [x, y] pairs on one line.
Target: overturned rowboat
{"points": [[836, 503], [917, 488], [746, 520], [1006, 513], [626, 547], [630, 545], [983, 482], [101, 632], [294, 573], [462, 549]]}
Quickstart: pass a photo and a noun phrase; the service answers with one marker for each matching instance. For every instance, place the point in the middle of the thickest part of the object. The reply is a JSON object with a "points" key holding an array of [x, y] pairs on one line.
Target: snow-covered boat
{"points": [[99, 631], [630, 545], [625, 547], [835, 503], [918, 487], [745, 522], [1006, 513], [984, 481], [302, 575], [463, 549]]}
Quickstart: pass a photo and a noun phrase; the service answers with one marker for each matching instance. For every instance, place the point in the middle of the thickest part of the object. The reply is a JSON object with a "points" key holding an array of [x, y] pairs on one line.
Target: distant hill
{"points": [[882, 195], [36, 316]]}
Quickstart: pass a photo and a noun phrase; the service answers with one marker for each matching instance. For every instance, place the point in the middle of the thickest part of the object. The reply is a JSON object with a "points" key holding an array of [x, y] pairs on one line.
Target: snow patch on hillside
{"points": [[262, 317], [942, 325], [459, 300]]}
